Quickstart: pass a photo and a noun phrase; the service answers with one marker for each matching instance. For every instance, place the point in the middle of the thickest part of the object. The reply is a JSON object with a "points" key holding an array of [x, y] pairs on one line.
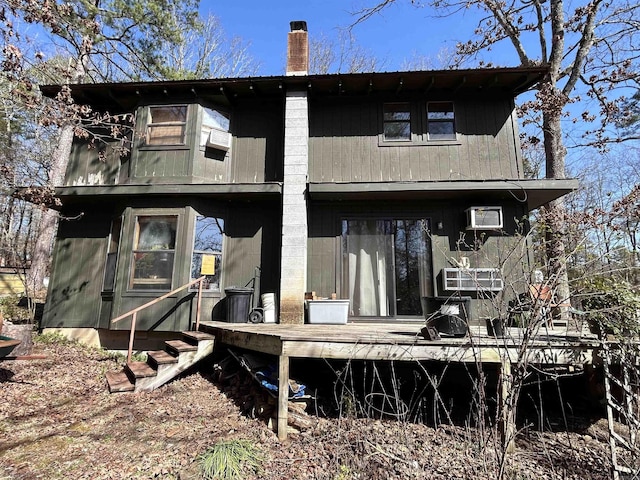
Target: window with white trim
{"points": [[166, 125]]}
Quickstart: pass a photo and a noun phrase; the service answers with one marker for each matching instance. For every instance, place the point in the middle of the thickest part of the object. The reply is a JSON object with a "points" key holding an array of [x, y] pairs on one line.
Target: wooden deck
{"points": [[401, 341], [397, 342]]}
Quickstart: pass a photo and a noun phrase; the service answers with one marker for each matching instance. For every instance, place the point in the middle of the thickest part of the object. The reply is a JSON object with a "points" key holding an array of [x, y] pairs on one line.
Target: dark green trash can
{"points": [[238, 304]]}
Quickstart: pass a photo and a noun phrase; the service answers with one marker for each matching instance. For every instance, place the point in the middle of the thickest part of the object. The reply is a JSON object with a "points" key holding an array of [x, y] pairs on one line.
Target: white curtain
{"points": [[369, 244]]}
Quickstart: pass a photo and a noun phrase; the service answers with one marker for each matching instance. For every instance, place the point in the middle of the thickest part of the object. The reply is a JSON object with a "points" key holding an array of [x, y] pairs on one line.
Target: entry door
{"points": [[386, 266]]}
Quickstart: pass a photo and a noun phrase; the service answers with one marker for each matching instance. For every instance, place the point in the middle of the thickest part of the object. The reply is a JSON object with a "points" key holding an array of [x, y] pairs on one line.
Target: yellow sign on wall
{"points": [[208, 265]]}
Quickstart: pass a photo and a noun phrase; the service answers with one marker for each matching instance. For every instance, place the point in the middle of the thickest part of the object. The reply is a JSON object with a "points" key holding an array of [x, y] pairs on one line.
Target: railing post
{"points": [[199, 304], [131, 335]]}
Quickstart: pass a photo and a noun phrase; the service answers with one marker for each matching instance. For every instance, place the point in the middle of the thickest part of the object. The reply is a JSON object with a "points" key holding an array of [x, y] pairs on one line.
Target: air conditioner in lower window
{"points": [[484, 218], [219, 139]]}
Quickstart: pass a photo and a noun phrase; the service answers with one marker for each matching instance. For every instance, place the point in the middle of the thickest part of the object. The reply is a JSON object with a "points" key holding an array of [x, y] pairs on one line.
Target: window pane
{"points": [[440, 111], [441, 121], [153, 253], [397, 121], [387, 266], [215, 119], [112, 256], [212, 120], [410, 255], [441, 131], [369, 247], [166, 134], [168, 114], [167, 125], [207, 251], [390, 116], [152, 270], [156, 233], [397, 131]]}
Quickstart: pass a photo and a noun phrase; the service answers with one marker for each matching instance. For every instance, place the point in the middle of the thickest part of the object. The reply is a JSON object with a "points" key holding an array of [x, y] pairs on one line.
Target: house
{"points": [[384, 188]]}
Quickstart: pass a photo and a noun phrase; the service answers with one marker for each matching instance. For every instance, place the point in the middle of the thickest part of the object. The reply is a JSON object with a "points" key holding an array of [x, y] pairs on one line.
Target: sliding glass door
{"points": [[386, 266]]}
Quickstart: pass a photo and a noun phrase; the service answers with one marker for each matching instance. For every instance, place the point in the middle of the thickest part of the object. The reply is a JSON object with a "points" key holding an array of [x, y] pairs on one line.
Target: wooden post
{"points": [[131, 335], [507, 406], [283, 396], [199, 305]]}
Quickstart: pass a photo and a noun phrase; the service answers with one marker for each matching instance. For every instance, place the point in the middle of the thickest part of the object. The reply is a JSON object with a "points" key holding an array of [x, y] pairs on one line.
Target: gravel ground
{"points": [[58, 421]]}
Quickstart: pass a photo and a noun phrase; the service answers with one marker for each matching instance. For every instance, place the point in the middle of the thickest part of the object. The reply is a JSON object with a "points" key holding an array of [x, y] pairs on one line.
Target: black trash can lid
{"points": [[238, 290]]}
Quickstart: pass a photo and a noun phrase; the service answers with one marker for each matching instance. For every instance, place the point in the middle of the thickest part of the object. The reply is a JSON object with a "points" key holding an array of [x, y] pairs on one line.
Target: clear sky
{"points": [[394, 35]]}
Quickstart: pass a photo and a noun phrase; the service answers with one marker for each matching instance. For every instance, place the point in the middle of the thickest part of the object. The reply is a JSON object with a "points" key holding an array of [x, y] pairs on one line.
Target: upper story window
{"points": [[153, 252], [214, 121], [167, 125], [396, 122], [440, 121]]}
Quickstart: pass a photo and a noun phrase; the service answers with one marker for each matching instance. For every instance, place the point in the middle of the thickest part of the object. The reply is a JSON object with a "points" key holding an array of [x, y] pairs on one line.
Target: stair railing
{"points": [[134, 312]]}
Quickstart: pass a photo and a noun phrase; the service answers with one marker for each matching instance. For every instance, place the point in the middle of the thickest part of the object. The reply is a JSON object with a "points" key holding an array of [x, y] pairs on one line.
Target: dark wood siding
{"points": [[345, 145], [77, 272], [255, 155], [252, 239], [85, 167], [257, 143], [163, 164], [490, 249]]}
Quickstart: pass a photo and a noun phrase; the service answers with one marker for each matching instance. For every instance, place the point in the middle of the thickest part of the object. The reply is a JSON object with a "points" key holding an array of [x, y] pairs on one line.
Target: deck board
{"points": [[402, 341]]}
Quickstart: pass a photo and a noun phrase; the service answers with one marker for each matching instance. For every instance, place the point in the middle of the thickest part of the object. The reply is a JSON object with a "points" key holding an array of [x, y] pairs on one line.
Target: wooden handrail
{"points": [[134, 312]]}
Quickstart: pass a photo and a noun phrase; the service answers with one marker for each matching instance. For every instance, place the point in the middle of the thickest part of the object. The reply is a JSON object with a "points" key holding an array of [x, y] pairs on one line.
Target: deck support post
{"points": [[507, 406], [283, 397]]}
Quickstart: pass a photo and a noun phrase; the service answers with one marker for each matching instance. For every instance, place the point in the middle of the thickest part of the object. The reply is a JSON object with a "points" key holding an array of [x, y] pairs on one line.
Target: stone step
{"points": [[119, 382]]}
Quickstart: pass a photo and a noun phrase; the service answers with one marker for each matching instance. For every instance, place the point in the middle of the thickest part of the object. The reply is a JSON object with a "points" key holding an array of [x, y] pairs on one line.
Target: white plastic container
{"points": [[333, 312], [269, 307]]}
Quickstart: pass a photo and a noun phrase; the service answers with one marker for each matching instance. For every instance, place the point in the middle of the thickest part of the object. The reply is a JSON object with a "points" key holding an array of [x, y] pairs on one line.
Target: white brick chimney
{"points": [[293, 269]]}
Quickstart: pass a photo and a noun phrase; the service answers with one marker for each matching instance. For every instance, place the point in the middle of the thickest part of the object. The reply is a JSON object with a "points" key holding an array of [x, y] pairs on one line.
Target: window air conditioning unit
{"points": [[219, 139], [484, 218], [472, 279]]}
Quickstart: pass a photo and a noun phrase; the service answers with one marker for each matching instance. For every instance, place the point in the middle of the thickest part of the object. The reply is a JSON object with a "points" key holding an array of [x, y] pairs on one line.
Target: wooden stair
{"points": [[162, 365]]}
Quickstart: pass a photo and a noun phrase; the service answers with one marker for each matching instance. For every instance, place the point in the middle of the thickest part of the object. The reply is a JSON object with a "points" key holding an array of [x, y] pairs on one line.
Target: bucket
{"points": [[269, 307]]}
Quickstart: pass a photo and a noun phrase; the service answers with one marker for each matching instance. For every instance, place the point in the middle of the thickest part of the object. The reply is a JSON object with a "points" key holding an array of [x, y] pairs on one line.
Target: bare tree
{"points": [[121, 36], [444, 59], [340, 55], [206, 52], [589, 49]]}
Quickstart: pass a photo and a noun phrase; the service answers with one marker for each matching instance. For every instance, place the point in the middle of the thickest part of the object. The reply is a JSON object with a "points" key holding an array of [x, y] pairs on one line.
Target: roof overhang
{"points": [[80, 195], [533, 193], [485, 81]]}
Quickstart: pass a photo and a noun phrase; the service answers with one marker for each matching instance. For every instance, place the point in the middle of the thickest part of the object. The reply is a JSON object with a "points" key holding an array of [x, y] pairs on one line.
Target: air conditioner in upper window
{"points": [[484, 218], [219, 139]]}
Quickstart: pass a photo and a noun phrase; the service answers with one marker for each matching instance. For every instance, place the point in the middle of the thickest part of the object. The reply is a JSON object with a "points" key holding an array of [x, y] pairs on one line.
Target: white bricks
{"points": [[293, 256]]}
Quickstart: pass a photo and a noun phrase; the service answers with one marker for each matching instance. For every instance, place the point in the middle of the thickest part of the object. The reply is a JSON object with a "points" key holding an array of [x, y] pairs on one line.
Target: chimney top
{"points": [[298, 49], [297, 25]]}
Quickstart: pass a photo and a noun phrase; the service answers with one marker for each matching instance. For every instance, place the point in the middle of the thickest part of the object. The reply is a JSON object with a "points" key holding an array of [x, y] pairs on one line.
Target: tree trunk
{"points": [[49, 221], [555, 212]]}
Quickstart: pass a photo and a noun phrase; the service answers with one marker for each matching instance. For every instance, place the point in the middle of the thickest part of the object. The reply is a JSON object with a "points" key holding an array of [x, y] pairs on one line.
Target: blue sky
{"points": [[395, 34]]}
